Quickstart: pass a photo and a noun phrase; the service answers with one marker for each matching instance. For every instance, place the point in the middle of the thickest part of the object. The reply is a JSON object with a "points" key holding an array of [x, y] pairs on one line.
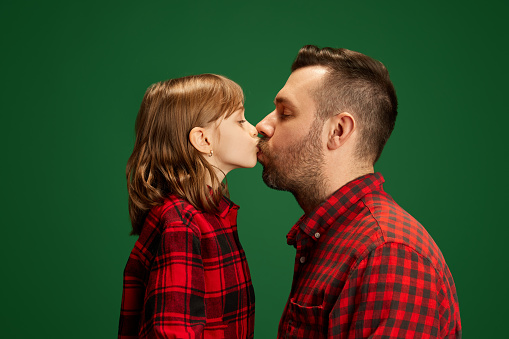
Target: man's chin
{"points": [[270, 179], [260, 158]]}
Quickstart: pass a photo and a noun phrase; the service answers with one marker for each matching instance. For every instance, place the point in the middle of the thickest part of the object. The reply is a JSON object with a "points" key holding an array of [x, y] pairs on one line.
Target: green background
{"points": [[74, 74]]}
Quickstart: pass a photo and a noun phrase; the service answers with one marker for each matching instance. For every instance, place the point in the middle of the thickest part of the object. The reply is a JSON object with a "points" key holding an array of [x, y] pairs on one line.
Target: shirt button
{"points": [[302, 260], [317, 235]]}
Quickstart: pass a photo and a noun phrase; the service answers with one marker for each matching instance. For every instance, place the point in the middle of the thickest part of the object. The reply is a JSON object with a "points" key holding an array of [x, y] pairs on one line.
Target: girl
{"points": [[187, 276]]}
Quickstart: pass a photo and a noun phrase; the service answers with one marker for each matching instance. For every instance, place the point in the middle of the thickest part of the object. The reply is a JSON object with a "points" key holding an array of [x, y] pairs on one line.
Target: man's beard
{"points": [[298, 168]]}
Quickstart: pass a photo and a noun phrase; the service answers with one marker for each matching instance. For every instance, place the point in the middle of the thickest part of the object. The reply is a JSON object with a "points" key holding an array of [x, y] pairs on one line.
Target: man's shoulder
{"points": [[387, 213], [396, 225]]}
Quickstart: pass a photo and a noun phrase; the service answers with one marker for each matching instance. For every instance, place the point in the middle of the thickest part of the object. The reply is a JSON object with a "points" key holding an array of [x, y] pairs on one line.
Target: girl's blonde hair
{"points": [[164, 161]]}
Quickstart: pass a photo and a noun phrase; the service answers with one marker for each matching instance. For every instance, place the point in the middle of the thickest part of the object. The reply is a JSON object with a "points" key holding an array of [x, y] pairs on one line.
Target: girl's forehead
{"points": [[239, 111]]}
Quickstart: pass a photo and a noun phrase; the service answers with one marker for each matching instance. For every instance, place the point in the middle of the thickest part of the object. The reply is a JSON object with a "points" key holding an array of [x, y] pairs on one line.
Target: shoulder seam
{"points": [[382, 237], [367, 252], [167, 219]]}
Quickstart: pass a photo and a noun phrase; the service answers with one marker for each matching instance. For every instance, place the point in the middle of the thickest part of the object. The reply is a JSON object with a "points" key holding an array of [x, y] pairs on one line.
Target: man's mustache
{"points": [[262, 140], [262, 143]]}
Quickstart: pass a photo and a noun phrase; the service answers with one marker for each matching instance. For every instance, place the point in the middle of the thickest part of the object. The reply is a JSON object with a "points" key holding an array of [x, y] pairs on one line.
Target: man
{"points": [[364, 267]]}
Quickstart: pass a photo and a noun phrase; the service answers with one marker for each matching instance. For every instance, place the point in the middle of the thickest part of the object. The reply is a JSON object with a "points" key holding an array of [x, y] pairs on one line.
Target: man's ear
{"points": [[200, 139], [341, 127]]}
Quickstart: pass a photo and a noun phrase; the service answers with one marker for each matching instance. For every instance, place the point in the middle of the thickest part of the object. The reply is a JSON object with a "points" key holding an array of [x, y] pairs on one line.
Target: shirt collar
{"points": [[225, 206], [317, 222]]}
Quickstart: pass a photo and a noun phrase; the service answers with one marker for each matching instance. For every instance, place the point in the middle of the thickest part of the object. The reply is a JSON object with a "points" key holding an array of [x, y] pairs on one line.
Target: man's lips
{"points": [[259, 154]]}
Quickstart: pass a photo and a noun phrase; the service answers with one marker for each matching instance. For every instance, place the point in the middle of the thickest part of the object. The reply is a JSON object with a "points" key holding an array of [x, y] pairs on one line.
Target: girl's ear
{"points": [[199, 138]]}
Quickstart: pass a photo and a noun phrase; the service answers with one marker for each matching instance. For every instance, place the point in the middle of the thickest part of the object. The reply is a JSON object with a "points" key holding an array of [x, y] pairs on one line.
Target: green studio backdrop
{"points": [[74, 74]]}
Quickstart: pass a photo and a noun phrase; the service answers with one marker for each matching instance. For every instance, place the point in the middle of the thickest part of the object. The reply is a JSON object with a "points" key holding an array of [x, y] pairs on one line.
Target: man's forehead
{"points": [[300, 83], [307, 75], [305, 78]]}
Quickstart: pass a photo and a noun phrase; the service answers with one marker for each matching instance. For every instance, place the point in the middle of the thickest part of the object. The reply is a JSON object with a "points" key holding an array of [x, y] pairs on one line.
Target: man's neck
{"points": [[338, 180]]}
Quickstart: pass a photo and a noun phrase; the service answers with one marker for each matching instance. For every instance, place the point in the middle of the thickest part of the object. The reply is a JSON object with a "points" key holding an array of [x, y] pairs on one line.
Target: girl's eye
{"points": [[242, 121]]}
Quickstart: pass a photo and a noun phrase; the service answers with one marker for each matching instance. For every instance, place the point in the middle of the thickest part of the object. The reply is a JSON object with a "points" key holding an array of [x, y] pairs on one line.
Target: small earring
{"points": [[211, 152]]}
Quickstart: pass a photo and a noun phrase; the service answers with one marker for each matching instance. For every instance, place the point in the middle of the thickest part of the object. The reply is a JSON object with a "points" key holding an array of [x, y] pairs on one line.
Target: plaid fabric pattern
{"points": [[366, 269], [187, 276]]}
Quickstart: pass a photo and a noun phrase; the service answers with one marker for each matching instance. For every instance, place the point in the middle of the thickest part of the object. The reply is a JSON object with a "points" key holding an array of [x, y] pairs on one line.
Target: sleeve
{"points": [[175, 300], [393, 293]]}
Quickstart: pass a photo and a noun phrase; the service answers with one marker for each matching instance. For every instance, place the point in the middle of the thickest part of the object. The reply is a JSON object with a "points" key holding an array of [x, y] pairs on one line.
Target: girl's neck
{"points": [[219, 174]]}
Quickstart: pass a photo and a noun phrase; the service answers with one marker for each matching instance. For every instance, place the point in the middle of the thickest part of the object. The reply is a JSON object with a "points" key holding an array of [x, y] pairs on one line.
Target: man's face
{"points": [[291, 150]]}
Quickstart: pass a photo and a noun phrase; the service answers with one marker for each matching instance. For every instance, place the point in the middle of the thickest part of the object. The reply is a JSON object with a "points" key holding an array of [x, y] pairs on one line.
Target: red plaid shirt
{"points": [[366, 268], [187, 276]]}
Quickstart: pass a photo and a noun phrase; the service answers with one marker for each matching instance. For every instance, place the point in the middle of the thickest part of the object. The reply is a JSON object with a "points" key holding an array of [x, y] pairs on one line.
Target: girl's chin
{"points": [[251, 164]]}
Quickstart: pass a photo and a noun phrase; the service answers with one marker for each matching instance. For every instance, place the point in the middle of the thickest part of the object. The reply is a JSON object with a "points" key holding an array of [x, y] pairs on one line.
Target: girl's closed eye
{"points": [[242, 121]]}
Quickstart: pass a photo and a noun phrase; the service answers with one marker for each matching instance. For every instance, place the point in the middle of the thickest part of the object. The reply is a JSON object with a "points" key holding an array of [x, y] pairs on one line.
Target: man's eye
{"points": [[285, 114]]}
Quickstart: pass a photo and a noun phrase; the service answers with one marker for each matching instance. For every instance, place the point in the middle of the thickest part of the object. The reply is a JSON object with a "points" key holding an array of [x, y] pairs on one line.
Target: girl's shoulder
{"points": [[175, 208], [176, 212]]}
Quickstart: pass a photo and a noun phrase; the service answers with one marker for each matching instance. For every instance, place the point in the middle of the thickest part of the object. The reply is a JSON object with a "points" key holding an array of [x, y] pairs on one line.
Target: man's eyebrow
{"points": [[282, 100]]}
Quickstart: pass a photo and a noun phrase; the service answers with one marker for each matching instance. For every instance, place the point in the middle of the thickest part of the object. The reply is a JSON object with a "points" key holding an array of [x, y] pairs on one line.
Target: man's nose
{"points": [[266, 126]]}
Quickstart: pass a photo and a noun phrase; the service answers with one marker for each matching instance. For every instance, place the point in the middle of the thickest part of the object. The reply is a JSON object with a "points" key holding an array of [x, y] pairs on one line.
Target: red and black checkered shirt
{"points": [[366, 268], [187, 276]]}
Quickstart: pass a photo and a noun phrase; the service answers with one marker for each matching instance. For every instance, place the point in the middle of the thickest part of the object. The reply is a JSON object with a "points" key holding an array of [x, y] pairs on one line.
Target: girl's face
{"points": [[235, 143]]}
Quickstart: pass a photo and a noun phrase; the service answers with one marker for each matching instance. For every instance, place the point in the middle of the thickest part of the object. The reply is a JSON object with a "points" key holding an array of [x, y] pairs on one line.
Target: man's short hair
{"points": [[356, 84]]}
